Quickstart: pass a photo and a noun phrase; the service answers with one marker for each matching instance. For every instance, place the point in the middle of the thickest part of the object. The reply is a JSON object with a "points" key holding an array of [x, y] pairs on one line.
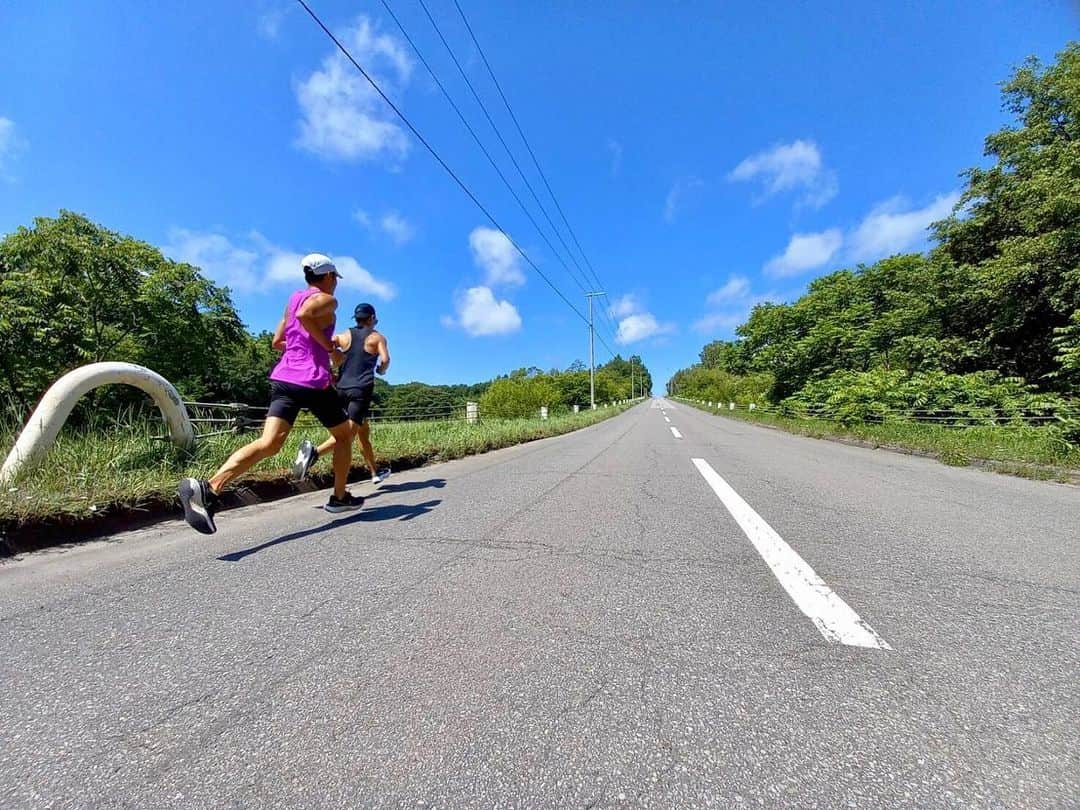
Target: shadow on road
{"points": [[409, 486], [393, 511]]}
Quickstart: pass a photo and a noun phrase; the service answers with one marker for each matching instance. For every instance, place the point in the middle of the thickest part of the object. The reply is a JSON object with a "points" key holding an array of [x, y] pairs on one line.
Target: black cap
{"points": [[363, 312]]}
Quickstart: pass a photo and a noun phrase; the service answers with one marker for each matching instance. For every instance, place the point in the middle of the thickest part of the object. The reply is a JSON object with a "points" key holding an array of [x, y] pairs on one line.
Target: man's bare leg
{"points": [[200, 498], [328, 445], [363, 434], [275, 431], [342, 443]]}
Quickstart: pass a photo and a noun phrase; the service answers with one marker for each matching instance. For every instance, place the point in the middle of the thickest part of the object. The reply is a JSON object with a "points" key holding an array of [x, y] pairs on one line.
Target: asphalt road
{"points": [[591, 620]]}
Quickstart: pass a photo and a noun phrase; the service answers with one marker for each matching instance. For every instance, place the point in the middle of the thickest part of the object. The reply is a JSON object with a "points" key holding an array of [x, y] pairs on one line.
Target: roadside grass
{"points": [[123, 462], [1011, 447]]}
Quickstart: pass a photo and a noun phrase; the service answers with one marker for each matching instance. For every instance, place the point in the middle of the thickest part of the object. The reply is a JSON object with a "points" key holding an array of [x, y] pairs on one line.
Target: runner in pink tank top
{"points": [[304, 362], [301, 380]]}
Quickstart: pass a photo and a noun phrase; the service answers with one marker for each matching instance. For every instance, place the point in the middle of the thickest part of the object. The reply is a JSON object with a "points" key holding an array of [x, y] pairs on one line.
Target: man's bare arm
{"points": [[342, 340], [384, 355]]}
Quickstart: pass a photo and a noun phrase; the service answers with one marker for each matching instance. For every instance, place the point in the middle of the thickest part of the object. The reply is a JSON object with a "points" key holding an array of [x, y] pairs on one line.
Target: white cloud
{"points": [[616, 156], [269, 22], [678, 195], [355, 277], [890, 229], [496, 255], [789, 167], [736, 287], [481, 315], [715, 321], [391, 224], [804, 252], [343, 118], [257, 263], [638, 327], [627, 305], [733, 303], [635, 323], [10, 145], [396, 227], [218, 257]]}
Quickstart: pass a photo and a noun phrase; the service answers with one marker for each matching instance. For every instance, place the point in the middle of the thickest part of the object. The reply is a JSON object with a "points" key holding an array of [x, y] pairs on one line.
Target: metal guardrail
{"points": [[974, 416], [251, 417]]}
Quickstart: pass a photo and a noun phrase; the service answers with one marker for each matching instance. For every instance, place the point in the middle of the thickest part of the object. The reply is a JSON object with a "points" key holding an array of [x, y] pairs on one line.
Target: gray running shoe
{"points": [[381, 475], [305, 457], [348, 503], [200, 503]]}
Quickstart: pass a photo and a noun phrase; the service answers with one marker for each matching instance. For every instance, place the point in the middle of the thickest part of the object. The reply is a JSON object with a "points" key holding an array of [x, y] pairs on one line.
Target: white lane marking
{"points": [[829, 613], [675, 432], [667, 419]]}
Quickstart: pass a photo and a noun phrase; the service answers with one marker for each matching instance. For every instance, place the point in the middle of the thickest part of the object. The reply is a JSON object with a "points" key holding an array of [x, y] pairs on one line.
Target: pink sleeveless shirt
{"points": [[304, 361]]}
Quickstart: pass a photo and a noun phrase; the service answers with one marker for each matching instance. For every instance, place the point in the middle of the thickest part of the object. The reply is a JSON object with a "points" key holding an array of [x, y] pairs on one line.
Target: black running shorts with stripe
{"points": [[357, 402]]}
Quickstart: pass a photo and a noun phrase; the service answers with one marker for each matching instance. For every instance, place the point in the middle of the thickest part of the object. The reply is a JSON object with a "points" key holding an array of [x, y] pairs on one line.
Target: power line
{"points": [[505, 145], [525, 140], [480, 143], [437, 157]]}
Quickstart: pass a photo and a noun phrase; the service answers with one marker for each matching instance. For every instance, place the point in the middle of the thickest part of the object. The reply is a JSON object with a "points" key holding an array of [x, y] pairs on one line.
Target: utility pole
{"points": [[592, 364]]}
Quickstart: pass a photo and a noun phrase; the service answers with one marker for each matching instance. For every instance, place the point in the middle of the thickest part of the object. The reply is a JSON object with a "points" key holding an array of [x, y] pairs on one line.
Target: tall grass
{"points": [[952, 445], [122, 459]]}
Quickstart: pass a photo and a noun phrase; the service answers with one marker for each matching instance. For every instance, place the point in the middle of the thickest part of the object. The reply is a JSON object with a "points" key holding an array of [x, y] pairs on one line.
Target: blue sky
{"points": [[707, 155]]}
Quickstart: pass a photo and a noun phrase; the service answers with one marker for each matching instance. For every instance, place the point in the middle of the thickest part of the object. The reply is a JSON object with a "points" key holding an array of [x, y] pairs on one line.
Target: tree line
{"points": [[75, 292], [524, 391], [990, 316]]}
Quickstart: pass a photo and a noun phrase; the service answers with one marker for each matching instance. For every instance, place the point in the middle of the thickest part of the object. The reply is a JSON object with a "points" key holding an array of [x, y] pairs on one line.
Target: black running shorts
{"points": [[357, 402], [288, 399]]}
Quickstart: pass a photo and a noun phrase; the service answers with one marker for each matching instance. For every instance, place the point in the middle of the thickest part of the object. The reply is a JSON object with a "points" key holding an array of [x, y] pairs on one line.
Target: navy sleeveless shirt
{"points": [[358, 370]]}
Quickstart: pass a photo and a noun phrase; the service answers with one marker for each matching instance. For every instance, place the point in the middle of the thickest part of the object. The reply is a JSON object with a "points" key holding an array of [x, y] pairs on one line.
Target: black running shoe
{"points": [[348, 503], [200, 503], [305, 457]]}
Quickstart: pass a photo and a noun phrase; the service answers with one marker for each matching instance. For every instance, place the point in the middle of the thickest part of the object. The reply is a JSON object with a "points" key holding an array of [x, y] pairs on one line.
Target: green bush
{"points": [[717, 385], [520, 397], [980, 398]]}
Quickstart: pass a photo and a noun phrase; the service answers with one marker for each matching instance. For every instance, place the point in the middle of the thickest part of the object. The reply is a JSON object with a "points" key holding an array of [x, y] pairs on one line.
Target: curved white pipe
{"points": [[49, 416]]}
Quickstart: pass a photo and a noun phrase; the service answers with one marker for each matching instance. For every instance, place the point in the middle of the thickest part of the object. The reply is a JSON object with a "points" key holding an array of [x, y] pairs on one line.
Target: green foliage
{"points": [[717, 385], [980, 398], [726, 355], [1019, 235], [1011, 449], [524, 391], [1067, 348], [954, 456], [246, 368], [76, 293], [518, 397], [414, 400]]}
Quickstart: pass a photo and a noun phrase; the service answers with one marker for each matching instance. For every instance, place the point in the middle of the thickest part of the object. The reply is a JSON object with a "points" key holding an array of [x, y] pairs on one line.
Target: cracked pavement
{"points": [[576, 622]]}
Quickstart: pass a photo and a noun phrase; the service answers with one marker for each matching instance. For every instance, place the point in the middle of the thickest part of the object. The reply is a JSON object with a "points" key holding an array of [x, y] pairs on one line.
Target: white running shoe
{"points": [[305, 457]]}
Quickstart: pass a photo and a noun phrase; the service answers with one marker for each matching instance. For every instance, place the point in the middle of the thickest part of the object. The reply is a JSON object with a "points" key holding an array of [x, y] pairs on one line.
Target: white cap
{"points": [[319, 264]]}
